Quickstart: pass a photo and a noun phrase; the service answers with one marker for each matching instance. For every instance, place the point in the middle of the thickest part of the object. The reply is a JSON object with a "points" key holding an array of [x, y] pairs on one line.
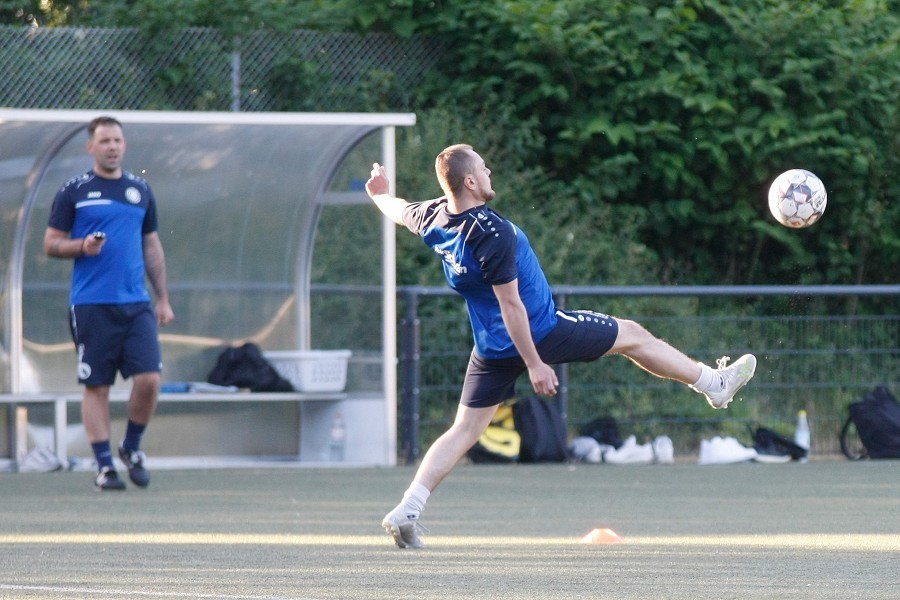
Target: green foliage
{"points": [[682, 112], [291, 80], [38, 13], [231, 17], [653, 127]]}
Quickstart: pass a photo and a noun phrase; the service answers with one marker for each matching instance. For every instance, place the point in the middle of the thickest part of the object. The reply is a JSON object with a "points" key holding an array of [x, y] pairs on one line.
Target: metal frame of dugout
{"points": [[241, 196]]}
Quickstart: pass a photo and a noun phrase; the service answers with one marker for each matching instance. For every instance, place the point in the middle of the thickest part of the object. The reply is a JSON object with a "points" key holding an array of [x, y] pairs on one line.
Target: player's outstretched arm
{"points": [[378, 187]]}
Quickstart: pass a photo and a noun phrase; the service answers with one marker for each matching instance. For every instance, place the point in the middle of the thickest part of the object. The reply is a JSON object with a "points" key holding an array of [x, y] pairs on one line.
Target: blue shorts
{"points": [[579, 336], [114, 337]]}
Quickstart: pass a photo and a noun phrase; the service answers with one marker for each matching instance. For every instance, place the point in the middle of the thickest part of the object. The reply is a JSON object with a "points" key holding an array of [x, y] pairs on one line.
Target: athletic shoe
{"points": [[664, 450], [630, 453], [762, 457], [724, 451], [586, 449], [736, 375], [134, 461], [108, 480], [404, 528]]}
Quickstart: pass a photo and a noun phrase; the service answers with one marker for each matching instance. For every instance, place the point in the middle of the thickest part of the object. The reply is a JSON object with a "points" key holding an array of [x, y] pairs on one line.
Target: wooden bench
{"points": [[18, 411]]}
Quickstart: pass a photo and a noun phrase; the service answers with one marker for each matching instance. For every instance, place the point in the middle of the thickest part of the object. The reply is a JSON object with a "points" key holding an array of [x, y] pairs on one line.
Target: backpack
{"points": [[500, 442], [246, 367], [605, 430], [542, 430], [877, 421]]}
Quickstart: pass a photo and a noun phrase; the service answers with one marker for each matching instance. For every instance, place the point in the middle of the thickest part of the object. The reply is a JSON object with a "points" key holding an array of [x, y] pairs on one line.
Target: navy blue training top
{"points": [[125, 210], [481, 249]]}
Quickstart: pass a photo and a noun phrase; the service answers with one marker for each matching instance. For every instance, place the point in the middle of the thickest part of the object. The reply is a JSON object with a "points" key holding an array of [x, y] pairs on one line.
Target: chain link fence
{"points": [[201, 69], [816, 353]]}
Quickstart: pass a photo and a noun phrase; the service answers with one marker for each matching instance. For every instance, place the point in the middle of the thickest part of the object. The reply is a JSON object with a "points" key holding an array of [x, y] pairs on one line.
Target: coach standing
{"points": [[106, 220]]}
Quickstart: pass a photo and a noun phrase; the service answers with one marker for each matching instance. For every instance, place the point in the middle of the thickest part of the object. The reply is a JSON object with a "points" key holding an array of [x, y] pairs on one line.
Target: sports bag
{"points": [[246, 367], [542, 430], [500, 442], [877, 421]]}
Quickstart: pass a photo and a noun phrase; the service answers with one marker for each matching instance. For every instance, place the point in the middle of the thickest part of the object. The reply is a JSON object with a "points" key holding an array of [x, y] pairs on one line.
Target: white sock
{"points": [[415, 497], [709, 381]]}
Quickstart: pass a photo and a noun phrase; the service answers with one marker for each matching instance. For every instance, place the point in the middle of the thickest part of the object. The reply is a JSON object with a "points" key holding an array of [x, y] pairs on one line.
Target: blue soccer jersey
{"points": [[480, 249], [125, 210]]}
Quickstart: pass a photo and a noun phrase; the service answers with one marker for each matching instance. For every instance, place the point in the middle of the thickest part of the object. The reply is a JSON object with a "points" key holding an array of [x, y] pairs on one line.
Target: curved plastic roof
{"points": [[240, 197]]}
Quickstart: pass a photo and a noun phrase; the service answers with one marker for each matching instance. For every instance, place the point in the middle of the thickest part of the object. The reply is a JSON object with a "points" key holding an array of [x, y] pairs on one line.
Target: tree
{"points": [[37, 13], [660, 120], [682, 112]]}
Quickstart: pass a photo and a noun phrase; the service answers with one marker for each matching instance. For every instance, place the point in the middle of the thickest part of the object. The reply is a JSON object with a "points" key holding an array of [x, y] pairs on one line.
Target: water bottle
{"points": [[801, 434], [337, 439]]}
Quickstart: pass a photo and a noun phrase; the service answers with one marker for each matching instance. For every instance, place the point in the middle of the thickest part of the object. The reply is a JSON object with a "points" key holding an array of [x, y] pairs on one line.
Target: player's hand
{"points": [[92, 244], [378, 183], [543, 379], [164, 313]]}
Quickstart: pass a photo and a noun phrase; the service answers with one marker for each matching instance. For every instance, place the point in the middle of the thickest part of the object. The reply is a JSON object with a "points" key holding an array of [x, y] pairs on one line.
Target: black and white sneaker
{"points": [[134, 461], [108, 480]]}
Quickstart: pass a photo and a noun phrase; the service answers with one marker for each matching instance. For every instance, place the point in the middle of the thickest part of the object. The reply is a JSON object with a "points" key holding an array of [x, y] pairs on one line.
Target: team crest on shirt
{"points": [[133, 195]]}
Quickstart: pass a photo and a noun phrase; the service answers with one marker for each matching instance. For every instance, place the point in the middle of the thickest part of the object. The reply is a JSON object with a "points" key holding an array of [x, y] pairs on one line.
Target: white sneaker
{"points": [[663, 450], [586, 449], [724, 451], [736, 375], [404, 528], [630, 453]]}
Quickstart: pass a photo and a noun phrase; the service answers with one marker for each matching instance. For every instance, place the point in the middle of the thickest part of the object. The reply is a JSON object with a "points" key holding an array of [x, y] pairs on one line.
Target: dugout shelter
{"points": [[269, 237]]}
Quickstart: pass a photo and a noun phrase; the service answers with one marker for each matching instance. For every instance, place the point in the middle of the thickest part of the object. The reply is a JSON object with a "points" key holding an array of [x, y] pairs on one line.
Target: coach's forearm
{"points": [[63, 247]]}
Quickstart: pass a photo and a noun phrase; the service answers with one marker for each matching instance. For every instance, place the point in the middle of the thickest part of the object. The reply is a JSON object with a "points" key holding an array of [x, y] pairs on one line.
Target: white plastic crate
{"points": [[312, 370]]}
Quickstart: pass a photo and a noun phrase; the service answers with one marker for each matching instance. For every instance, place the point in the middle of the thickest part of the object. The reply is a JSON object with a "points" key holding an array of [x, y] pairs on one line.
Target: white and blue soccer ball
{"points": [[797, 198]]}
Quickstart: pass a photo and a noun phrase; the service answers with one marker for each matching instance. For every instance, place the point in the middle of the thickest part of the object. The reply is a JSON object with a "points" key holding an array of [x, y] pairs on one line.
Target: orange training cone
{"points": [[602, 536]]}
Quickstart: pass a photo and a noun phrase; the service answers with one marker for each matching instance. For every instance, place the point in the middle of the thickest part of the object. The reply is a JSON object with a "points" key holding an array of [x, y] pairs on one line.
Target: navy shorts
{"points": [[114, 337], [579, 336]]}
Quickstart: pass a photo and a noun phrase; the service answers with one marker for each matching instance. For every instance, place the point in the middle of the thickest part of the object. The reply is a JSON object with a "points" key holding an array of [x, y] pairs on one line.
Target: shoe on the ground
{"points": [[724, 451], [404, 528], [630, 453], [763, 457], [663, 450], [108, 480], [586, 449], [736, 375], [134, 462]]}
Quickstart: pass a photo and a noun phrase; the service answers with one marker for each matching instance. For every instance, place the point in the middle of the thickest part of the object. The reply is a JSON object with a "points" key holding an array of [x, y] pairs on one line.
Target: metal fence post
{"points": [[410, 359], [236, 75]]}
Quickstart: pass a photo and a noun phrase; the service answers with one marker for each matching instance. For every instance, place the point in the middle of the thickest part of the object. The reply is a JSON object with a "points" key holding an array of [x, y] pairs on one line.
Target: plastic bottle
{"points": [[801, 434], [337, 439]]}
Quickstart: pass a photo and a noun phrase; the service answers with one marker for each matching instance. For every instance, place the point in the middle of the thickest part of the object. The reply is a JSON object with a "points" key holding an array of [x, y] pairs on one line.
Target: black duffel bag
{"points": [[876, 419]]}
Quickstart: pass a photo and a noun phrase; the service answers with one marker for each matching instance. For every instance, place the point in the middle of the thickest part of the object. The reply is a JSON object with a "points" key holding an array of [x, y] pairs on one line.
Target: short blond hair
{"points": [[452, 165]]}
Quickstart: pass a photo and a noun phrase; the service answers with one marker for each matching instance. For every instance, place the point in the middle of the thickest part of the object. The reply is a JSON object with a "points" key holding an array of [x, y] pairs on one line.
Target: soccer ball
{"points": [[797, 198]]}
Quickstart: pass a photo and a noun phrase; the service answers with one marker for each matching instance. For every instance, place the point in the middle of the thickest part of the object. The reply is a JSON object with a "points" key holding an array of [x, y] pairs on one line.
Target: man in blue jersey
{"points": [[516, 325], [106, 220]]}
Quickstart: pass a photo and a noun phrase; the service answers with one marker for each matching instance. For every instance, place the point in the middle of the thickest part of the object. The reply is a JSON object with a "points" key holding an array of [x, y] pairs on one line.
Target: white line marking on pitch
{"points": [[138, 593]]}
